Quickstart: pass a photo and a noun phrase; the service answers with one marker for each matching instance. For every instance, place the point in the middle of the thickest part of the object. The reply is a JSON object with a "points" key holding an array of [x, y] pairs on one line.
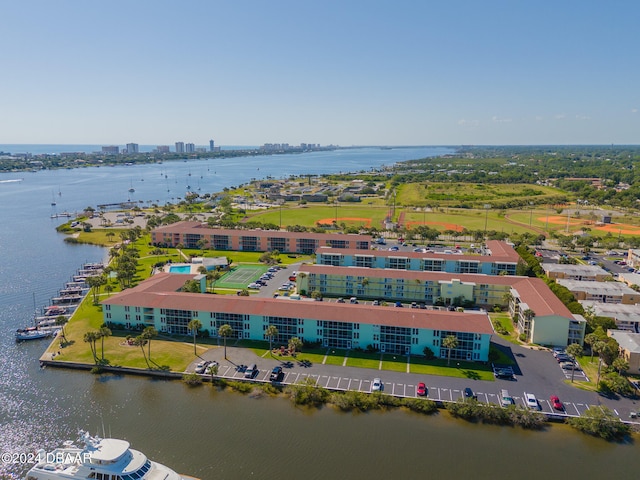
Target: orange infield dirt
{"points": [[447, 226], [329, 221], [609, 227]]}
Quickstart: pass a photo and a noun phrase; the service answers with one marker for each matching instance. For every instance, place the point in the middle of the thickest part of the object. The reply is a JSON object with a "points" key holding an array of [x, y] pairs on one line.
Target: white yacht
{"points": [[99, 459]]}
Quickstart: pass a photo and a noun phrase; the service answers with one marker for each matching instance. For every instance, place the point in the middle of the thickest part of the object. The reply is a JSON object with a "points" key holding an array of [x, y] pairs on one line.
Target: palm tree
{"points": [[213, 370], [149, 333], [271, 332], [91, 338], [620, 364], [140, 341], [599, 347], [194, 325], [449, 342], [61, 321], [295, 345], [104, 332], [212, 277], [591, 339], [575, 350], [225, 331]]}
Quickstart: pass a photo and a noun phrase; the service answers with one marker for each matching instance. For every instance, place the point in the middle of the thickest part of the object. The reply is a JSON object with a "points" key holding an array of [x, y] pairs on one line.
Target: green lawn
{"points": [[469, 370]]}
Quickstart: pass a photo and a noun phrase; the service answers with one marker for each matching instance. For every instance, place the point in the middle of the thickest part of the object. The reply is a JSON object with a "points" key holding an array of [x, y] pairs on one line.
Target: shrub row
{"points": [[513, 415]]}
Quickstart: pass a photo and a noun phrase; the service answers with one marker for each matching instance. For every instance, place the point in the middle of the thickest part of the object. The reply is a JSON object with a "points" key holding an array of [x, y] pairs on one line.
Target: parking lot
{"points": [[441, 389]]}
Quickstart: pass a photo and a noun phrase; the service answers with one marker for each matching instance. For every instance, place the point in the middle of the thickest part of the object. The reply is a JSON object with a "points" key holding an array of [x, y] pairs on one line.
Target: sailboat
{"points": [[131, 189], [32, 333], [53, 199]]}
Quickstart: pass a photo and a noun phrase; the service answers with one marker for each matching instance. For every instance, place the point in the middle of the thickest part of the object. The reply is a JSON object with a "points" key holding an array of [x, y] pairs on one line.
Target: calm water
{"points": [[223, 435]]}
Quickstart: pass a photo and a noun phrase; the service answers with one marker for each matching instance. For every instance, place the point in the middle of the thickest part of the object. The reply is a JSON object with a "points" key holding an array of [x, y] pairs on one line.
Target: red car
{"points": [[421, 389], [555, 401]]}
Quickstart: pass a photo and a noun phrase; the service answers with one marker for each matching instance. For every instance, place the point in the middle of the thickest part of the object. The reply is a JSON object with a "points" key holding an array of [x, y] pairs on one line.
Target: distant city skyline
{"points": [[346, 73]]}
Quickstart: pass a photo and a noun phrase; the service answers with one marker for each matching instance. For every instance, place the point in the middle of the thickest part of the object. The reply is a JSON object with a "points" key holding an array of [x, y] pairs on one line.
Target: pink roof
{"points": [[532, 291], [198, 228], [159, 291], [500, 252]]}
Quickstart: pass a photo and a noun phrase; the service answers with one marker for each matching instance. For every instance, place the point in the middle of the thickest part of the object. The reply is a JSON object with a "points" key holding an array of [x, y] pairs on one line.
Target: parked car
{"points": [[398, 304], [376, 302], [254, 285], [570, 366], [421, 390], [563, 357], [201, 367], [531, 401], [353, 300], [340, 300], [468, 393], [505, 398], [251, 372], [556, 403], [276, 374], [394, 249], [376, 385], [414, 304]]}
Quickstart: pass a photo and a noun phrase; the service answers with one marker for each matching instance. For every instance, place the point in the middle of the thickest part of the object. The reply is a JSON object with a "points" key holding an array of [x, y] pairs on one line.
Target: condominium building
{"points": [[158, 302], [111, 150], [627, 317], [133, 148], [537, 312], [189, 148], [606, 292], [179, 147], [591, 273], [198, 235], [499, 259]]}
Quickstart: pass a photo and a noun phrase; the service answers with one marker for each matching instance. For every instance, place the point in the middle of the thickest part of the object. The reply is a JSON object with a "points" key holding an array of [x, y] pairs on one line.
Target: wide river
{"points": [[221, 435]]}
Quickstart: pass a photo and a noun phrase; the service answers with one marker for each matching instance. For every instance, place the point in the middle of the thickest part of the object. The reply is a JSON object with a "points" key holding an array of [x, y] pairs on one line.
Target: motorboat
{"points": [[98, 458]]}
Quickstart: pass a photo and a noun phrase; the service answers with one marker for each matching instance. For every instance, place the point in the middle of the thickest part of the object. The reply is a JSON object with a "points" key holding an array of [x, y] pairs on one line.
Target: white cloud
{"points": [[468, 123], [583, 117], [539, 118], [634, 110], [500, 120], [560, 116]]}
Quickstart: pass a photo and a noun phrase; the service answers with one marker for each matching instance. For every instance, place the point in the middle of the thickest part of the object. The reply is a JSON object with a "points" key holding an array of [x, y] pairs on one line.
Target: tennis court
{"points": [[241, 276]]}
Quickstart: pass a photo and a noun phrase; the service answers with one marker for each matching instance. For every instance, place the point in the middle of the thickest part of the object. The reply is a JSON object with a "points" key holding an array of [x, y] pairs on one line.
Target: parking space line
{"points": [[349, 384]]}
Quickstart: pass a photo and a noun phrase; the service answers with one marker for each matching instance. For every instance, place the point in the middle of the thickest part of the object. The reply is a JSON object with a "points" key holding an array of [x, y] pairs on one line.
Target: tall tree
{"points": [[576, 351], [61, 321], [271, 332], [140, 341], [91, 337], [450, 342], [103, 332], [149, 333], [225, 331], [194, 325]]}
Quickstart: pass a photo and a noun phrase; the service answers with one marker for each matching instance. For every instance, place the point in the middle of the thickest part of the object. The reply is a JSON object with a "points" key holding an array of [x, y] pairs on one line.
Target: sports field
{"points": [[241, 276]]}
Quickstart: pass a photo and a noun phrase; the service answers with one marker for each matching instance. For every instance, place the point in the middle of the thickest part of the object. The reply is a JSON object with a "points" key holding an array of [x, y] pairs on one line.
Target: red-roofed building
{"points": [[498, 259], [158, 302], [552, 324], [193, 234]]}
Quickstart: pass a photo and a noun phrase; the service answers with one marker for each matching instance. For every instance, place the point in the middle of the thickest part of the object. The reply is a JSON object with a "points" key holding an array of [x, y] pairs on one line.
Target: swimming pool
{"points": [[180, 269]]}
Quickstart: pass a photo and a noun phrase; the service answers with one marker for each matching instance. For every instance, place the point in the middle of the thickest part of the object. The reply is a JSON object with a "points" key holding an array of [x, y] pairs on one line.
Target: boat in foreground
{"points": [[98, 458]]}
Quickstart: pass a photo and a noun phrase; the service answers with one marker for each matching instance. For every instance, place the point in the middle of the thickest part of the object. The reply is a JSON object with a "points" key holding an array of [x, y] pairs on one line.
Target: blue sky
{"points": [[345, 72]]}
